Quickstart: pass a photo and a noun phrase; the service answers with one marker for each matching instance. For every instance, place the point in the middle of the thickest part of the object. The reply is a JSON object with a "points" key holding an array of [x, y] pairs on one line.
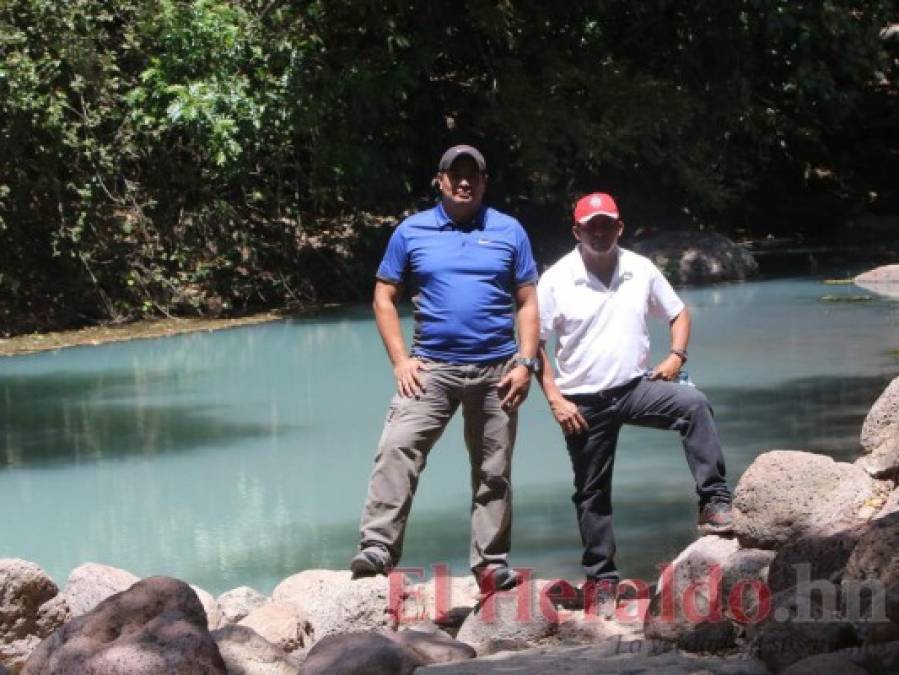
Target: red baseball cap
{"points": [[595, 204]]}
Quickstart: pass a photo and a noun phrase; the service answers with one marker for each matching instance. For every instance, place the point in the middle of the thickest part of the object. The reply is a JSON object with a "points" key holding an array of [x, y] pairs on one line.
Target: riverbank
{"points": [[33, 343]]}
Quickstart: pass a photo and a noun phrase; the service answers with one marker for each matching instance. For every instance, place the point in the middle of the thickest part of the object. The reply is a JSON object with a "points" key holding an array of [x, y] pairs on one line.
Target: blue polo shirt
{"points": [[462, 280]]}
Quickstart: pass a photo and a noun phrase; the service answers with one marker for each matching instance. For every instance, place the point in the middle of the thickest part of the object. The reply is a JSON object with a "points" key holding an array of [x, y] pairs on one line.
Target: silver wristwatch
{"points": [[532, 364]]}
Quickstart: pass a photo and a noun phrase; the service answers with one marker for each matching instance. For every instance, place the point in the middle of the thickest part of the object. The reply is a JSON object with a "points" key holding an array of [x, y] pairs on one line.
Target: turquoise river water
{"points": [[242, 456]]}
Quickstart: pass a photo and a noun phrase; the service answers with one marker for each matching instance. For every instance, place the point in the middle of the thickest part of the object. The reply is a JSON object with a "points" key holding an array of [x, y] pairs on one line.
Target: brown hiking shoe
{"points": [[716, 517]]}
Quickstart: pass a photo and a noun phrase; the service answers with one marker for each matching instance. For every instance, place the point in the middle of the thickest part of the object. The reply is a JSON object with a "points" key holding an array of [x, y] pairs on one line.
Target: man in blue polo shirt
{"points": [[470, 272]]}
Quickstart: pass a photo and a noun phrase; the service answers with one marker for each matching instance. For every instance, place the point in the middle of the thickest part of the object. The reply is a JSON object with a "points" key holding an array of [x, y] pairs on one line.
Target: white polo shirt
{"points": [[602, 336]]}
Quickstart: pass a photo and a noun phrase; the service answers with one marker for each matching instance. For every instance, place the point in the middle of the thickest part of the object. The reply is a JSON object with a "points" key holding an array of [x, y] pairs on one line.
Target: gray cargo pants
{"points": [[412, 427]]}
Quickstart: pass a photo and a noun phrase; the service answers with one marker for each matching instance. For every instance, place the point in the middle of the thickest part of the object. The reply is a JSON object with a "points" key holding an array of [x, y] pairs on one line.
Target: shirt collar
{"points": [[476, 223], [580, 275]]}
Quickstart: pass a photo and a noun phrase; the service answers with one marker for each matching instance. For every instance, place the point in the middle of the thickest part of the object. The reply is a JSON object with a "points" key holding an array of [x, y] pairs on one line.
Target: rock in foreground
{"points": [[786, 494], [156, 626], [30, 610]]}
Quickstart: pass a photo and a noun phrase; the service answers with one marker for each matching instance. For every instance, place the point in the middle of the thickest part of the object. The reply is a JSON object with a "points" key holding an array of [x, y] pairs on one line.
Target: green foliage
{"points": [[217, 155]]}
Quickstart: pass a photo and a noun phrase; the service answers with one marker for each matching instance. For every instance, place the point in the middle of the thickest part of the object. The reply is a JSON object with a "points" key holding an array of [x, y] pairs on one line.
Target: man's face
{"points": [[599, 234], [463, 184]]}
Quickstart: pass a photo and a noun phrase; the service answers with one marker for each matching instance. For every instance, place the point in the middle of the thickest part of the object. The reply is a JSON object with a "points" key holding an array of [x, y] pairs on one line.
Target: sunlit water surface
{"points": [[242, 456]]}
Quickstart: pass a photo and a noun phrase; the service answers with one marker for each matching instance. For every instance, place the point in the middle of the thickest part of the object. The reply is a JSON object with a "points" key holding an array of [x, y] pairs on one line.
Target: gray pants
{"points": [[412, 427]]}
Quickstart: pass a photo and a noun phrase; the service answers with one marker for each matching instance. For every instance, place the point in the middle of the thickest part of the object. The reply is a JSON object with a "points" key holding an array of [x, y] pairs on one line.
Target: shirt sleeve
{"points": [[393, 266], [546, 303], [664, 303], [525, 267]]}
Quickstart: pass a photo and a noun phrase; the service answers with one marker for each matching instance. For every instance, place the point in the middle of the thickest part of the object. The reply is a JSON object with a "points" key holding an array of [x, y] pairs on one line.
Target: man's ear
{"points": [[575, 232]]}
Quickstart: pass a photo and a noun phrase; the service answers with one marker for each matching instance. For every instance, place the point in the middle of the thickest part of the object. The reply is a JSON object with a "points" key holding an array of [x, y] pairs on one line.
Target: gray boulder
{"points": [[332, 603], [698, 586], [614, 656], [156, 626], [245, 652], [876, 555], [91, 583], [822, 555], [804, 621], [360, 654], [883, 274], [500, 622], [687, 257], [30, 610], [210, 606], [824, 663], [446, 601], [709, 637], [880, 430], [281, 624], [787, 494], [883, 462], [432, 645], [238, 602]]}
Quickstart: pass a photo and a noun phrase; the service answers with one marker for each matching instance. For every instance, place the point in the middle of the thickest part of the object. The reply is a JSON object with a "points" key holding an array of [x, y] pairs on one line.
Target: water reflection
{"points": [[74, 417]]}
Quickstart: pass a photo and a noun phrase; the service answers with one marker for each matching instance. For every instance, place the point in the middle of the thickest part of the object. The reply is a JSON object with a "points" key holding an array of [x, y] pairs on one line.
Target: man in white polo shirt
{"points": [[596, 301]]}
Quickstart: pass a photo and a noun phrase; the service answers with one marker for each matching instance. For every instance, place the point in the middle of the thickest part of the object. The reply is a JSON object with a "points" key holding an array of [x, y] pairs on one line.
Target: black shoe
{"points": [[498, 578], [716, 517], [601, 597], [370, 561]]}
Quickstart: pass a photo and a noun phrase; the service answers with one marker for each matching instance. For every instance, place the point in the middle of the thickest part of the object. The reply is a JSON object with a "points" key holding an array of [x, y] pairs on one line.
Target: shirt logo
{"points": [[485, 241]]}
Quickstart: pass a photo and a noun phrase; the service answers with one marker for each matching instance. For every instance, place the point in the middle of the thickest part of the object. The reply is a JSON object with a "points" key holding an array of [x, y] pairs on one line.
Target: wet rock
{"points": [[360, 653], [156, 626], [787, 494], [823, 555], [433, 645], [711, 581], [281, 624], [210, 606], [698, 257], [239, 602], [332, 603], [880, 430], [91, 583], [245, 652], [507, 620], [30, 610]]}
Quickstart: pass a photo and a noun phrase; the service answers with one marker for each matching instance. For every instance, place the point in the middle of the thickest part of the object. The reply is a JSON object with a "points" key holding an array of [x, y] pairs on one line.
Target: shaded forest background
{"points": [[221, 156]]}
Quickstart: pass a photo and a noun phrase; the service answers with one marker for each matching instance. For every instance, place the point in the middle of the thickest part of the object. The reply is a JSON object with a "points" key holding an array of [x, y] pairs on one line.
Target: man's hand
{"points": [[568, 416], [667, 369], [408, 377], [517, 381]]}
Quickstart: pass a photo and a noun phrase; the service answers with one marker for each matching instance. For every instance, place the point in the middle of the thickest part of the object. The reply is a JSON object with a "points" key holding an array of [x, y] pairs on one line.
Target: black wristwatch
{"points": [[532, 364]]}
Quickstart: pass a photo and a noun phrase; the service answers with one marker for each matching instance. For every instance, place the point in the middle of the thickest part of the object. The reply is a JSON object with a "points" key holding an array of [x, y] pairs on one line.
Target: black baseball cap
{"points": [[457, 151]]}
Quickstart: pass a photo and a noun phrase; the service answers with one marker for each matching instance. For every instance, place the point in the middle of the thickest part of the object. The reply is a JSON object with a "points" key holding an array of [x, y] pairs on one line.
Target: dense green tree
{"points": [[218, 155]]}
